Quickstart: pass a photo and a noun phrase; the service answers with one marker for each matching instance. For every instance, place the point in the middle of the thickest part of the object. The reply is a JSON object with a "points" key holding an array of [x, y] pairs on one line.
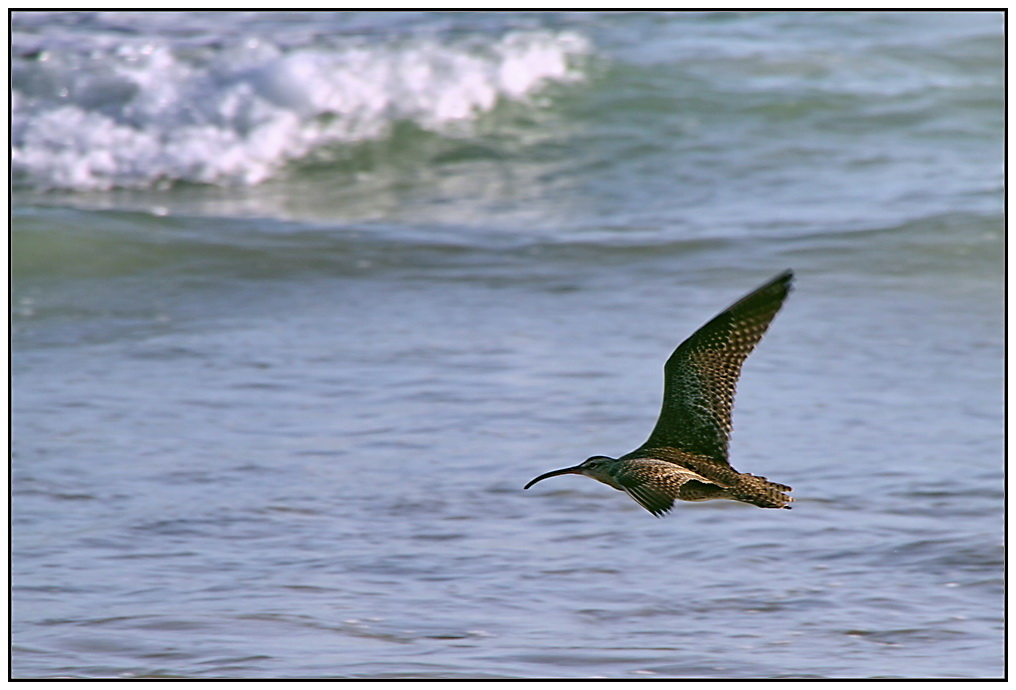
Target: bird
{"points": [[685, 456]]}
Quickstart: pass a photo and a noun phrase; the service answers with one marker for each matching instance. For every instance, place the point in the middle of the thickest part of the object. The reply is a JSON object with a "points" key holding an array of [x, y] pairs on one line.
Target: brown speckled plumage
{"points": [[685, 456]]}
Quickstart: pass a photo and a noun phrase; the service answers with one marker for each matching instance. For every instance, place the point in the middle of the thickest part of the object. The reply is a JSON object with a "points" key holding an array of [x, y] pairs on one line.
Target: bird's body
{"points": [[685, 457]]}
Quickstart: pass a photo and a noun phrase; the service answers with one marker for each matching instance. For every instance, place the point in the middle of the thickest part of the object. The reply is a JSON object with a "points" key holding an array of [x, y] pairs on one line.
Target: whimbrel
{"points": [[686, 455]]}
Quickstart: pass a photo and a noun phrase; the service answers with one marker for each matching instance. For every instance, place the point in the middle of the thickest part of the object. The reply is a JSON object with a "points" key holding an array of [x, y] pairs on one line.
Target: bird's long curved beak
{"points": [[567, 470]]}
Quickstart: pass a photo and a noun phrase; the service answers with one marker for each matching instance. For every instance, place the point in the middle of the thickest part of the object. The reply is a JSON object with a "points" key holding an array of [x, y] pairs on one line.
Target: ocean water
{"points": [[300, 301]]}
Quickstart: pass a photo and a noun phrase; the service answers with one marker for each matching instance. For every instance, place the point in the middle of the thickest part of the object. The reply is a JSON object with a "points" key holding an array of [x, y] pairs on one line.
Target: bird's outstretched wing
{"points": [[701, 376]]}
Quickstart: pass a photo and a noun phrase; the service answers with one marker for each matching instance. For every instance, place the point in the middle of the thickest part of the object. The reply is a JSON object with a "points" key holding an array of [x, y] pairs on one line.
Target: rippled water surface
{"points": [[301, 301]]}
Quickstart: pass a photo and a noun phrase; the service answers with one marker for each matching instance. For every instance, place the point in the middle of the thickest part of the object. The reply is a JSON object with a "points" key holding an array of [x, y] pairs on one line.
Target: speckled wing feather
{"points": [[701, 376]]}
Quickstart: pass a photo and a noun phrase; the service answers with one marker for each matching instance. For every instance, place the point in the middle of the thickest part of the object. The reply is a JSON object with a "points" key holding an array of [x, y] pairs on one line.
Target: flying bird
{"points": [[685, 456]]}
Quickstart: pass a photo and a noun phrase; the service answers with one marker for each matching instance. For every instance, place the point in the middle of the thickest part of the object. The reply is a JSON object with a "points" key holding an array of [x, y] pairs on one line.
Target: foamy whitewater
{"points": [[132, 111]]}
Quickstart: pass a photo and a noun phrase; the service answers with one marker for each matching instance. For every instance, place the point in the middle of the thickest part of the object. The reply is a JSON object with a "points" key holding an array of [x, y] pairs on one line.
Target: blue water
{"points": [[300, 301]]}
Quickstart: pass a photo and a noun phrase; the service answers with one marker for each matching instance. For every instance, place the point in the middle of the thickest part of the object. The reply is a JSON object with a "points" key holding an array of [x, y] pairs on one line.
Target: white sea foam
{"points": [[143, 112]]}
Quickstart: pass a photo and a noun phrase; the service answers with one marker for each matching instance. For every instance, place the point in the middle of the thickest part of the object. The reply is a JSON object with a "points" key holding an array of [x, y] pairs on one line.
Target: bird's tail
{"points": [[761, 492]]}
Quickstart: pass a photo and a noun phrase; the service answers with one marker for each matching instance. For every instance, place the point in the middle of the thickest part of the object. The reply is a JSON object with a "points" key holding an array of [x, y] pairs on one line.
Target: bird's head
{"points": [[594, 467]]}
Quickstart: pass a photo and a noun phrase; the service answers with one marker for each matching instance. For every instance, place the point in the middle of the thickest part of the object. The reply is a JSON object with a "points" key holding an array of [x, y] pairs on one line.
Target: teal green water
{"points": [[287, 341]]}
